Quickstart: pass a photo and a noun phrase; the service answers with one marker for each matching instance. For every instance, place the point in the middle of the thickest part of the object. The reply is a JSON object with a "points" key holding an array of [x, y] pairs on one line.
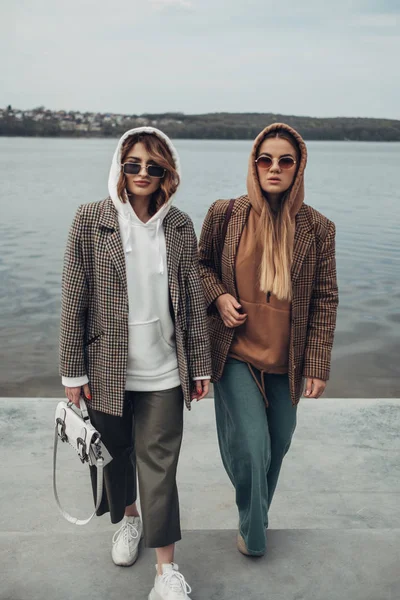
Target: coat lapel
{"points": [[174, 242], [109, 224], [233, 234], [303, 239]]}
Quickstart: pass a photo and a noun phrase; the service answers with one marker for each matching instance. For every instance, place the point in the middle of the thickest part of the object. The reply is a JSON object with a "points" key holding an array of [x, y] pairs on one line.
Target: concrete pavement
{"points": [[334, 524]]}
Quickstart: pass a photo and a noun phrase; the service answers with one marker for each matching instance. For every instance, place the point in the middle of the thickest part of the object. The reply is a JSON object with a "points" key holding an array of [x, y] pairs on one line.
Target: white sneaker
{"points": [[126, 540], [171, 585]]}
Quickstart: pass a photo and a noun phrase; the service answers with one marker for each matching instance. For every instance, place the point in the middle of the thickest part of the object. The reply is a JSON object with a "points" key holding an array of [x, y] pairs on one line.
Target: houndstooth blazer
{"points": [[315, 291], [94, 308]]}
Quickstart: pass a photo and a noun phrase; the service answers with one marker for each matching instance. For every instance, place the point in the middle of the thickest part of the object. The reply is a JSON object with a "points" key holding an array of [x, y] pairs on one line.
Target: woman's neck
{"points": [[274, 200], [140, 205]]}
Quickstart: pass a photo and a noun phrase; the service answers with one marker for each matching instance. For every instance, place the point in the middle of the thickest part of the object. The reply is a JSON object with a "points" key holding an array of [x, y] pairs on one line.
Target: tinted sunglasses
{"points": [[265, 162], [134, 168]]}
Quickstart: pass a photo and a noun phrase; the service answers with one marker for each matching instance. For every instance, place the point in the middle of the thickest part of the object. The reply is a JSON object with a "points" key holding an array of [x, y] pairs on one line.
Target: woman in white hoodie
{"points": [[134, 342]]}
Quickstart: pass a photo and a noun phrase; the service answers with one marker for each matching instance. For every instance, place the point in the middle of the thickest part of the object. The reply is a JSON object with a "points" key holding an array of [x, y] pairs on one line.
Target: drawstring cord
{"points": [[128, 245], [161, 263], [261, 386]]}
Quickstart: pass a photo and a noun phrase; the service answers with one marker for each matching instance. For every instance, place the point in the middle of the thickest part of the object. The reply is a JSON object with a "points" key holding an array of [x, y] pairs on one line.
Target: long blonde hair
{"points": [[161, 155], [276, 236]]}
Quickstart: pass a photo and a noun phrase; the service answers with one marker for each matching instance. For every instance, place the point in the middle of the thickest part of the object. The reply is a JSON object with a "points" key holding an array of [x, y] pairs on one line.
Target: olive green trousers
{"points": [[147, 439]]}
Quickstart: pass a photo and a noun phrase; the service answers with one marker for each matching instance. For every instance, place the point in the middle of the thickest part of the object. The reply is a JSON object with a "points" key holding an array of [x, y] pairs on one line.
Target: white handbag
{"points": [[72, 425]]}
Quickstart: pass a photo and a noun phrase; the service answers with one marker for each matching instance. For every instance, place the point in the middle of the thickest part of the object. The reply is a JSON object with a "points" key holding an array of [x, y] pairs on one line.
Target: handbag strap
{"points": [[99, 492], [224, 229], [84, 410], [228, 215]]}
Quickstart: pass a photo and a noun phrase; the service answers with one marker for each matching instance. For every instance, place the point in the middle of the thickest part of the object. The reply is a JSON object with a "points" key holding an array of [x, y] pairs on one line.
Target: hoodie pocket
{"points": [[263, 339], [149, 352]]}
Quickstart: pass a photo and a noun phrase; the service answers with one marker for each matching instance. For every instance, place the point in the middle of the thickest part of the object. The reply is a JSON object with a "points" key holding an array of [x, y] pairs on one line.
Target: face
{"points": [[141, 184], [276, 180]]}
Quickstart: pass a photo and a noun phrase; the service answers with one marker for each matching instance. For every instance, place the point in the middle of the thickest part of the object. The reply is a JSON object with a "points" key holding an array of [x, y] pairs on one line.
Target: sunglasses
{"points": [[134, 168], [265, 162]]}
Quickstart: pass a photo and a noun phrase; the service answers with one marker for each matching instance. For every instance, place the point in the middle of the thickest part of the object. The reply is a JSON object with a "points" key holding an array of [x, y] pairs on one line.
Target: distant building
{"points": [[67, 125]]}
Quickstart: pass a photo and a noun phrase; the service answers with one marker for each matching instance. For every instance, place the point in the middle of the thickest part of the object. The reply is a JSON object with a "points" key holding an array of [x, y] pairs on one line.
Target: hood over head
{"points": [[296, 192], [115, 170], [127, 217]]}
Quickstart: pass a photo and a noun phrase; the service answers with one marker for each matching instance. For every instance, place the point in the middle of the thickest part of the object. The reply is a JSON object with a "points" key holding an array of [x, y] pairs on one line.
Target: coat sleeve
{"points": [[199, 351], [74, 304], [210, 266], [323, 310]]}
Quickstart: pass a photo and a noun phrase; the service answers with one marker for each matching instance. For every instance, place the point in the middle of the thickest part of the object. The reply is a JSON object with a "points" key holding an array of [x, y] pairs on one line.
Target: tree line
{"points": [[217, 126]]}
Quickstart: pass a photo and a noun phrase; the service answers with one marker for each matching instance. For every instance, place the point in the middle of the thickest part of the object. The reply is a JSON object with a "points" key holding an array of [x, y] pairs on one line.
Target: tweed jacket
{"points": [[315, 292], [94, 309]]}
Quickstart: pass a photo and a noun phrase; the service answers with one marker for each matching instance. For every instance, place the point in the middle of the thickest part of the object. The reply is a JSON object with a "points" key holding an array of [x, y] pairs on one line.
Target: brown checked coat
{"points": [[94, 315], [315, 293]]}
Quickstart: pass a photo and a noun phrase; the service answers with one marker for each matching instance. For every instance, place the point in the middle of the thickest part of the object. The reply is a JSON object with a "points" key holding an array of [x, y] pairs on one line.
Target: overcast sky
{"points": [[333, 58]]}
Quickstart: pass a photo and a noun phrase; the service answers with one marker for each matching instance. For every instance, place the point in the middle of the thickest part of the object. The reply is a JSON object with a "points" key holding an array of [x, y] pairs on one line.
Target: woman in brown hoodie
{"points": [[269, 275]]}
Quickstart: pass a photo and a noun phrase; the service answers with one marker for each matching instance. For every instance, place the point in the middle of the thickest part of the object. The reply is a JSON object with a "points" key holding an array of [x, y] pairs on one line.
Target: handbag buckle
{"points": [[61, 430], [82, 453], [97, 449]]}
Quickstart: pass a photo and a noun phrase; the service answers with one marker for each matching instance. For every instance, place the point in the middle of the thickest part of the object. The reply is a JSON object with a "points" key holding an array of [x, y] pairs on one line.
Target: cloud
{"points": [[379, 21], [202, 56]]}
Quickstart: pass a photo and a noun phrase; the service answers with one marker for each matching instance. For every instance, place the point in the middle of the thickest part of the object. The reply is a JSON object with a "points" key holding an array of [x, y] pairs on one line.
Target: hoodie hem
{"points": [[153, 384]]}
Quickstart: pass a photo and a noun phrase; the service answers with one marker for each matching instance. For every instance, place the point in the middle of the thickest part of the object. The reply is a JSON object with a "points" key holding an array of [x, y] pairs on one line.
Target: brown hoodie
{"points": [[263, 340]]}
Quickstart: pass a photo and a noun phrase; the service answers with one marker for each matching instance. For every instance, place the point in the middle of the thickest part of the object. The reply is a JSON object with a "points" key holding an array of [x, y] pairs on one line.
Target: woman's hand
{"points": [[201, 387], [74, 393], [314, 387], [228, 307]]}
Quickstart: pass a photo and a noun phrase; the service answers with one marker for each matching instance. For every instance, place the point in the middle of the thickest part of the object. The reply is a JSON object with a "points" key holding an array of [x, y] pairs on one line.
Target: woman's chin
{"points": [[273, 191], [141, 191]]}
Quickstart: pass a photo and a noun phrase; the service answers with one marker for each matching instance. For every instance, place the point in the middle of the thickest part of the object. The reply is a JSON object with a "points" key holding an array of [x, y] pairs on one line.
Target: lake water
{"points": [[43, 181]]}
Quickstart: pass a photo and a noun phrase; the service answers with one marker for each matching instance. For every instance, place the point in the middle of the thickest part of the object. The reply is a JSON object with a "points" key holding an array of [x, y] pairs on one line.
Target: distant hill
{"points": [[242, 126], [212, 126]]}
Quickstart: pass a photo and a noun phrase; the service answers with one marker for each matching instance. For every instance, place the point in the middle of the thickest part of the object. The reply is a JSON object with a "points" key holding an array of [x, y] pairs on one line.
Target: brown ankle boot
{"points": [[241, 546]]}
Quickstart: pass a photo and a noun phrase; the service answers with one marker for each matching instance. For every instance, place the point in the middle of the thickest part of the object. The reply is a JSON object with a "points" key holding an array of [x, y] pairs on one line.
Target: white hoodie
{"points": [[152, 360]]}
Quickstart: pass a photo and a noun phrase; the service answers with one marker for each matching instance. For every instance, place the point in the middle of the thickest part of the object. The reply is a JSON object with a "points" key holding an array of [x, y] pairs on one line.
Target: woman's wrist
{"points": [[74, 381]]}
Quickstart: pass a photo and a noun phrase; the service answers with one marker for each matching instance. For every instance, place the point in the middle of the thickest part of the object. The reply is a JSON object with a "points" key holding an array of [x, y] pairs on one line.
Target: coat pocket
{"points": [[93, 339]]}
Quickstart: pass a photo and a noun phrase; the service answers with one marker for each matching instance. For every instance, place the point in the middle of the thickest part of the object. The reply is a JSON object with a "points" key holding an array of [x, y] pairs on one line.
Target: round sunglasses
{"points": [[134, 168], [265, 162]]}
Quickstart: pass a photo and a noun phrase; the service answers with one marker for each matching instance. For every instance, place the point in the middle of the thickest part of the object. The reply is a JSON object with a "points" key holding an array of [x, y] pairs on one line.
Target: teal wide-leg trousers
{"points": [[253, 440]]}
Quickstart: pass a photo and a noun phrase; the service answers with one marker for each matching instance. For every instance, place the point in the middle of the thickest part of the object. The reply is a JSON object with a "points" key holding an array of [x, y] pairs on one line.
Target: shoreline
{"points": [[179, 138], [366, 375], [178, 125]]}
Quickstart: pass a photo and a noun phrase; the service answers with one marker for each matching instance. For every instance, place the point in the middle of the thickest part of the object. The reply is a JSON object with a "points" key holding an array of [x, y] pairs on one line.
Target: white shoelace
{"points": [[128, 531], [176, 582]]}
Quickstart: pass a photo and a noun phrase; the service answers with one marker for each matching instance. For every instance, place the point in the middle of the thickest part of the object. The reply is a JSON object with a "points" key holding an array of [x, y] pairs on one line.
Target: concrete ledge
{"points": [[335, 519]]}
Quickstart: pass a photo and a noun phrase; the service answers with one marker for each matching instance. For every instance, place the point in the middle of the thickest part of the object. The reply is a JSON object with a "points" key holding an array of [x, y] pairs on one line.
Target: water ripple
{"points": [[33, 233]]}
